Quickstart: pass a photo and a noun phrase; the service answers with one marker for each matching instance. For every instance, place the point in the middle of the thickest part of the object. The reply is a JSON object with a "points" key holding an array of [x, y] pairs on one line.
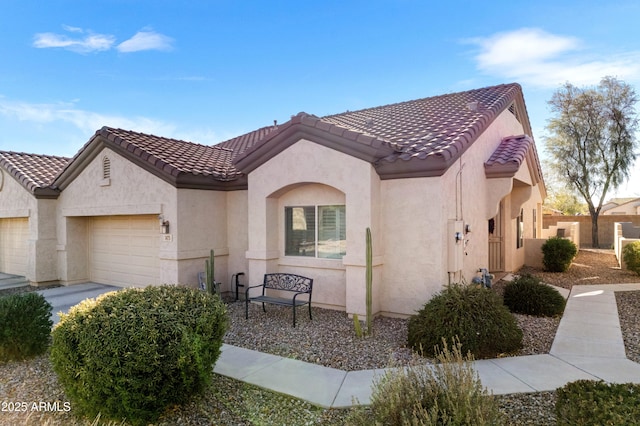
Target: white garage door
{"points": [[124, 250], [14, 236]]}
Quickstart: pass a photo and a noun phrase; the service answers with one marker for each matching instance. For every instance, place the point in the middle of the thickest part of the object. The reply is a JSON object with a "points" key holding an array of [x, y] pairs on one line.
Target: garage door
{"points": [[14, 236], [124, 250]]}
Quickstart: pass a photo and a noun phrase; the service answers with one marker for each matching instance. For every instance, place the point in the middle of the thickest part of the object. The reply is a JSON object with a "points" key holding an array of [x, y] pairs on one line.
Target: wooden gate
{"points": [[496, 241]]}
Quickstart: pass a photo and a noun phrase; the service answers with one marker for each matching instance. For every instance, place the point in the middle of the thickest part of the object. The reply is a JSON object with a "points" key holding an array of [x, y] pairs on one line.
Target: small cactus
{"points": [[210, 268], [369, 296]]}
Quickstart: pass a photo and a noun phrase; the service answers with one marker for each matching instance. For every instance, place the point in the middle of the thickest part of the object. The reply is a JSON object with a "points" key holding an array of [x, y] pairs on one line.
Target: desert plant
{"points": [[129, 354], [369, 278], [447, 393], [631, 256], [557, 254], [25, 326], [475, 315], [529, 295], [590, 402], [209, 265]]}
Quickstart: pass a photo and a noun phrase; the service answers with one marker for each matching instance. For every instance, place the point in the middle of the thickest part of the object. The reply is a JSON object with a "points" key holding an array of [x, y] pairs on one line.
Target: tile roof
{"points": [[244, 142], [182, 163], [440, 125], [35, 172], [174, 156], [508, 157], [436, 130]]}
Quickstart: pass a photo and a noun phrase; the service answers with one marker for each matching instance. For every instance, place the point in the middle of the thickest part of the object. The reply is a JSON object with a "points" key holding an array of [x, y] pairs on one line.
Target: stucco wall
{"points": [[15, 202], [306, 164], [201, 226], [129, 191]]}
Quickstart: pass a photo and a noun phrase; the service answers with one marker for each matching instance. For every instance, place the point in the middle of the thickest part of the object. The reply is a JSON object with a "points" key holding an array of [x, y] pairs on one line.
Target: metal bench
{"points": [[279, 284]]}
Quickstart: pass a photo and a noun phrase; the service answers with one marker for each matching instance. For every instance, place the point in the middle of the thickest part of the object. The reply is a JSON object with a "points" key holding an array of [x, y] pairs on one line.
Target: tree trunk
{"points": [[595, 243]]}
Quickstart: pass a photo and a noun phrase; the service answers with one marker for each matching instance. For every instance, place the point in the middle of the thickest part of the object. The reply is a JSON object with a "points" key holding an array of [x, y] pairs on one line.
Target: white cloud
{"points": [[146, 40], [82, 41], [536, 57], [86, 121], [87, 44]]}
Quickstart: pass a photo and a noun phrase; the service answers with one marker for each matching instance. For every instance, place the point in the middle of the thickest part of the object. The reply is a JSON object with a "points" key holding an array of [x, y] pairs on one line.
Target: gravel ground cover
{"points": [[327, 340]]}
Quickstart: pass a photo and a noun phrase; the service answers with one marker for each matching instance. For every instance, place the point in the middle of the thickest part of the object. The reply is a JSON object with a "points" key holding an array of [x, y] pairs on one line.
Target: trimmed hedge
{"points": [[132, 353], [589, 402], [25, 326], [528, 295], [557, 254], [474, 315]]}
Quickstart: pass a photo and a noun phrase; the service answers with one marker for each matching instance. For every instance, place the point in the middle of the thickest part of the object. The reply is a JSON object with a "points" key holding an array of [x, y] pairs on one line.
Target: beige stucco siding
{"points": [[38, 262], [330, 176], [130, 190], [201, 226]]}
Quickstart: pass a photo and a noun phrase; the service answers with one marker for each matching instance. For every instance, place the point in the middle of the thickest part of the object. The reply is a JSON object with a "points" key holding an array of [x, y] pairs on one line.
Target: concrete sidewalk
{"points": [[588, 345], [8, 281]]}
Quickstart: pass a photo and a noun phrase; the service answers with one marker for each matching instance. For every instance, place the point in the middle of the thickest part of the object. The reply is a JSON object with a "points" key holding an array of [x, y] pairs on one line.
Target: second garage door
{"points": [[124, 250], [14, 235]]}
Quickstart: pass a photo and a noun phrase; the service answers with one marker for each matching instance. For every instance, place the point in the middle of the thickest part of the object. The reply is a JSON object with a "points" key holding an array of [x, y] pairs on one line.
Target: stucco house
{"points": [[447, 184], [622, 206]]}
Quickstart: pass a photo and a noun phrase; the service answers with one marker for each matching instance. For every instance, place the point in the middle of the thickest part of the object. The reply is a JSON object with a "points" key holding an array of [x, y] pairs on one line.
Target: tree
{"points": [[561, 197], [593, 140]]}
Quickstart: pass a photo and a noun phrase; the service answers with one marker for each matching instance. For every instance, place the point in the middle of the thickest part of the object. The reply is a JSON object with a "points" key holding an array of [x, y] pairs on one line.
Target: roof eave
{"points": [[432, 166]]}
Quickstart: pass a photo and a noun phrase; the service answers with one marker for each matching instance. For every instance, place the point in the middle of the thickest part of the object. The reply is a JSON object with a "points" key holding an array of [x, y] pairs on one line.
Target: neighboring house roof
{"points": [[34, 172], [181, 163], [620, 202], [416, 138]]}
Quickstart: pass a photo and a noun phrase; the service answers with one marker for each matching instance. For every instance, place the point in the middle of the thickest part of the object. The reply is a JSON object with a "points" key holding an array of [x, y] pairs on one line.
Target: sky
{"points": [[207, 71]]}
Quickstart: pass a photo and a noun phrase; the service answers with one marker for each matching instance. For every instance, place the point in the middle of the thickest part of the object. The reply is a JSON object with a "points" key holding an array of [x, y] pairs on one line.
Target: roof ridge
{"points": [[421, 99]]}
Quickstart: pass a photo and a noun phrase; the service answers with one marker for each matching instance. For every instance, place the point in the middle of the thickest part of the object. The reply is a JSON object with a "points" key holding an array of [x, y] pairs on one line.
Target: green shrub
{"points": [[528, 295], [476, 316], [448, 393], [589, 402], [132, 353], [25, 326], [557, 254], [631, 256]]}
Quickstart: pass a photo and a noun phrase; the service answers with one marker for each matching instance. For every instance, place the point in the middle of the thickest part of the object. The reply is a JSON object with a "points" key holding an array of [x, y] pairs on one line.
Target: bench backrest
{"points": [[288, 282]]}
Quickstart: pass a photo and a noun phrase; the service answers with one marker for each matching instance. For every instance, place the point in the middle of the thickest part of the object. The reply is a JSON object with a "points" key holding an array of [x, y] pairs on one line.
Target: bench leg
{"points": [[310, 312], [263, 309], [294, 315], [246, 307]]}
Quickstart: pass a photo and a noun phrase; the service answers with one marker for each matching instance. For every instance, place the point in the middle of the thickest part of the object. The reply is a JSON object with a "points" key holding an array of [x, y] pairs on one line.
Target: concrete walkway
{"points": [[588, 345], [8, 281]]}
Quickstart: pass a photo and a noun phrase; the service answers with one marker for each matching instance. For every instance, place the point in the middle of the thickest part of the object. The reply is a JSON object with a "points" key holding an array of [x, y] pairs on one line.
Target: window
{"points": [[520, 230], [315, 231], [535, 223]]}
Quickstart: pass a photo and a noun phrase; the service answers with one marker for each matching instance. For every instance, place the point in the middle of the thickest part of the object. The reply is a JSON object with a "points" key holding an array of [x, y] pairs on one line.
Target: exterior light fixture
{"points": [[164, 227]]}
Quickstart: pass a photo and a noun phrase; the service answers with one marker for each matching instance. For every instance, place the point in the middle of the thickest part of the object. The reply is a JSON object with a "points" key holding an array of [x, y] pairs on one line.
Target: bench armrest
{"points": [[249, 288]]}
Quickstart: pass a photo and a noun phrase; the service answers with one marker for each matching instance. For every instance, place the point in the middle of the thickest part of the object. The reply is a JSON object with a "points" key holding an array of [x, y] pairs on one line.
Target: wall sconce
{"points": [[164, 227]]}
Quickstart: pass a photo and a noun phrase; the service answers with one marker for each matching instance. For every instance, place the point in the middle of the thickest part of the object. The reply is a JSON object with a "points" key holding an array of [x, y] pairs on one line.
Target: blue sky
{"points": [[206, 71]]}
